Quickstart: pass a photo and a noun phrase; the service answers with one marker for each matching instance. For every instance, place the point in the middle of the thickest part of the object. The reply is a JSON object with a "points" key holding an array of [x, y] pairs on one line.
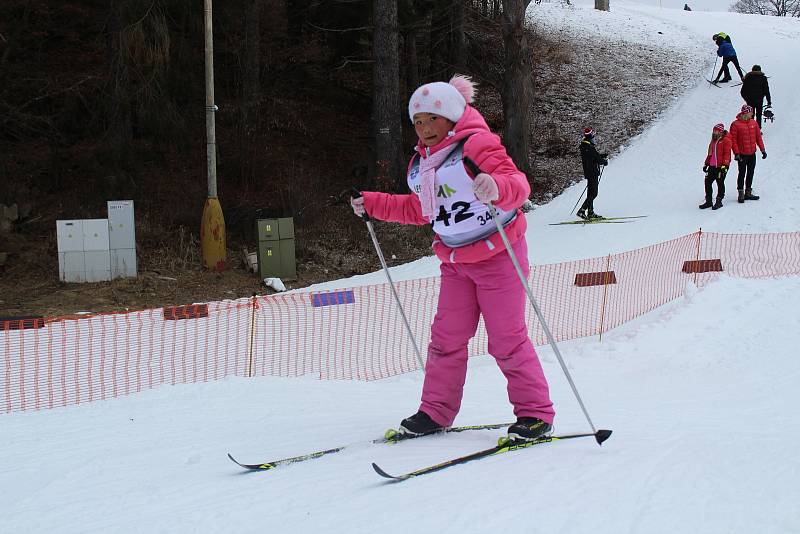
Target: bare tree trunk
{"points": [[251, 85], [120, 126], [424, 40], [517, 89], [15, 37], [385, 104], [458, 45], [412, 61]]}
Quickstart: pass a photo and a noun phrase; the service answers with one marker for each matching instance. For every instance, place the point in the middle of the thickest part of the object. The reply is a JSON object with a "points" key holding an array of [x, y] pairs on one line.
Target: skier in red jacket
{"points": [[716, 165], [745, 137]]}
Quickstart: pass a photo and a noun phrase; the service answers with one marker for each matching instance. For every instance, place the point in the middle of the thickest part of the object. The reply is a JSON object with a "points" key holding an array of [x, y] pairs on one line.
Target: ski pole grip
{"points": [[357, 194]]}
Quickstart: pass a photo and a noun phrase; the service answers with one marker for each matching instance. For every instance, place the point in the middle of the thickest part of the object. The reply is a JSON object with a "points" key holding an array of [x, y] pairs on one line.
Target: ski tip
{"points": [[381, 472], [237, 462], [602, 435]]}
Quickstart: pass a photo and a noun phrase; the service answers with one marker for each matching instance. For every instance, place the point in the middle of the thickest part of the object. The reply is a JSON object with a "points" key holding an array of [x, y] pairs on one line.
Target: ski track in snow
{"points": [[701, 393]]}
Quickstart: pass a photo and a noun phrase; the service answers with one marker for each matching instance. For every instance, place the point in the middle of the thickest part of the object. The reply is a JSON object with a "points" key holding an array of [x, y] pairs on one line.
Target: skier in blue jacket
{"points": [[726, 51]]}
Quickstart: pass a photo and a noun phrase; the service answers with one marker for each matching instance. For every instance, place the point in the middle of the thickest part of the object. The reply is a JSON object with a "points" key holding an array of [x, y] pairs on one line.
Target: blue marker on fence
{"points": [[333, 298]]}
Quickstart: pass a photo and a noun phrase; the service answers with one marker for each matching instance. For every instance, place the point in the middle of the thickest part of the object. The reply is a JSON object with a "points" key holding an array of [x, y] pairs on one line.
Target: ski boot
{"points": [[529, 429], [748, 195], [706, 204], [419, 424], [717, 205], [581, 213], [592, 216], [740, 200]]}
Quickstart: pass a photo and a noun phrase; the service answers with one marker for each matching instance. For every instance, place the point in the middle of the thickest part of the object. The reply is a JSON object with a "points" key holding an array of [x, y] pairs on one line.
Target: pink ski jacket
{"points": [[486, 150]]}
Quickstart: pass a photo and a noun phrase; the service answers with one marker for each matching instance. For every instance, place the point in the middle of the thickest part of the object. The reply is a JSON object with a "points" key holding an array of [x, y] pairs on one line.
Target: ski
{"points": [[718, 84], [391, 436], [504, 445], [601, 220]]}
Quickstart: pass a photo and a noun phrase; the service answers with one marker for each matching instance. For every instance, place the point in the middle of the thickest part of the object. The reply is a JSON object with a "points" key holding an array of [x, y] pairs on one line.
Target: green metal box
{"points": [[276, 249], [275, 229]]}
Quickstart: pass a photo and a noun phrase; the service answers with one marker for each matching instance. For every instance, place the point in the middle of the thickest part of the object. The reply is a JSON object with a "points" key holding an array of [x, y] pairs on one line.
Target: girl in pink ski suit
{"points": [[477, 275]]}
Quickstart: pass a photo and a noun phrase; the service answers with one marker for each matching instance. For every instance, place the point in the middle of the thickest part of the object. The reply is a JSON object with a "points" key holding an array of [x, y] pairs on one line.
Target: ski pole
{"points": [[357, 194], [713, 69], [579, 199], [600, 435]]}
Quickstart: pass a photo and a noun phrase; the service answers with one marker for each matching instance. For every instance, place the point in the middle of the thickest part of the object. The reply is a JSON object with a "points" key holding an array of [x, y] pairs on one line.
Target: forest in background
{"points": [[104, 100]]}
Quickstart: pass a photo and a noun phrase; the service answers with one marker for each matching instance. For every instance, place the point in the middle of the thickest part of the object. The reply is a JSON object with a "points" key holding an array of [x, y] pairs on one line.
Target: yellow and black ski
{"points": [[601, 220], [504, 444], [391, 436]]}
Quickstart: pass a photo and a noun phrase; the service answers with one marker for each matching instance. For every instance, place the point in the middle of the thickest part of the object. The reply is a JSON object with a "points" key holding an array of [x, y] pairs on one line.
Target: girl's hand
{"points": [[358, 206], [485, 188]]}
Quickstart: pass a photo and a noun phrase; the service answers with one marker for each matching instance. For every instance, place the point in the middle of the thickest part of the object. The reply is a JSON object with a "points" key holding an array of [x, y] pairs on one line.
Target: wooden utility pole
{"points": [[212, 226]]}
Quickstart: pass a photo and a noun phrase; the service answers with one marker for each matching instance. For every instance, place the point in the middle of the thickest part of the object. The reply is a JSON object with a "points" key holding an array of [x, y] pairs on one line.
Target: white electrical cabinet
{"points": [[95, 235], [123, 262], [121, 229], [71, 260], [122, 238], [97, 250], [70, 236]]}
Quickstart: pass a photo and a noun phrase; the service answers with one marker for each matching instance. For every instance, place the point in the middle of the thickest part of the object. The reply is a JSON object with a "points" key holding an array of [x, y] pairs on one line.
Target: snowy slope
{"points": [[702, 394], [660, 175]]}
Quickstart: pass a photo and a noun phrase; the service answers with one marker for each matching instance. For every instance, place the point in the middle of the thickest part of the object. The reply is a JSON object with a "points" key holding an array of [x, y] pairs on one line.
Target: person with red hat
{"points": [[745, 138], [718, 158], [592, 160]]}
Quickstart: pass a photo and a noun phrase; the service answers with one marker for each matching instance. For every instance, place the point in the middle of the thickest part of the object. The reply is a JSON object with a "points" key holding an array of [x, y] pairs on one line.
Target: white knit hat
{"points": [[448, 100]]}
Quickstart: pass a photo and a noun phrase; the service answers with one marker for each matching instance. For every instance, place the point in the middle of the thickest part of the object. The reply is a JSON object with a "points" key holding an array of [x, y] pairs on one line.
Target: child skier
{"points": [[745, 138], [592, 160], [477, 274], [716, 165], [726, 51]]}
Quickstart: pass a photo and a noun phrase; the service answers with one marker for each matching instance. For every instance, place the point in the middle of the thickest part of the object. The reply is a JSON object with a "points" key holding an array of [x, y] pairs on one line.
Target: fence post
{"points": [[252, 335], [605, 293], [699, 235]]}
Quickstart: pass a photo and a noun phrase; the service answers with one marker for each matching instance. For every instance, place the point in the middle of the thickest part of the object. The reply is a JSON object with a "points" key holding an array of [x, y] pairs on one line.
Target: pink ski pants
{"points": [[490, 287]]}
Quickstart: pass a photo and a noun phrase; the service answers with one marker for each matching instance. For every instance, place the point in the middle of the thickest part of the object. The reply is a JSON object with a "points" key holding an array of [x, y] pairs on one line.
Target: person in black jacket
{"points": [[754, 88], [592, 161]]}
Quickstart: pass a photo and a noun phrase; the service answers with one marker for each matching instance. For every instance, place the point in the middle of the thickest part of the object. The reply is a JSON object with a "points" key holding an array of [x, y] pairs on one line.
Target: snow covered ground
{"points": [[701, 394]]}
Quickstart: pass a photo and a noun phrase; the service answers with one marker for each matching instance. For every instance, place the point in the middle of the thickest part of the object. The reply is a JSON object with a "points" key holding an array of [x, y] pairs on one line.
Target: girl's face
{"points": [[431, 128], [716, 135]]}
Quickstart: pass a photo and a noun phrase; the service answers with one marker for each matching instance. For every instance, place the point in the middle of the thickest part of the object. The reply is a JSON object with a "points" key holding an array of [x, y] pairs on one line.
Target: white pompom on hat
{"points": [[448, 100]]}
